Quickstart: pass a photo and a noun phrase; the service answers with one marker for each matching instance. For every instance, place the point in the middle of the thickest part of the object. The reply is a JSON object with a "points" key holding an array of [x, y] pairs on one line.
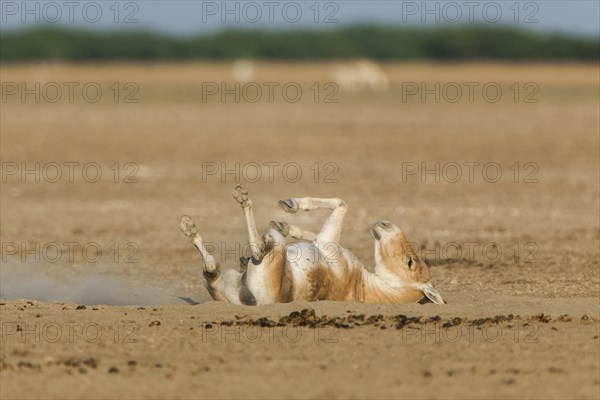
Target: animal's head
{"points": [[395, 256]]}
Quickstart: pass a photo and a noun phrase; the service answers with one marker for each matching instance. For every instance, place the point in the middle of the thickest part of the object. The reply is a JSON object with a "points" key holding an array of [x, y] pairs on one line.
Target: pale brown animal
{"points": [[316, 267]]}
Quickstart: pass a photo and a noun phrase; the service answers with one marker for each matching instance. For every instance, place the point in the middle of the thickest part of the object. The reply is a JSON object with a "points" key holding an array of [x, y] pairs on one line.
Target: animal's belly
{"points": [[319, 274], [302, 259]]}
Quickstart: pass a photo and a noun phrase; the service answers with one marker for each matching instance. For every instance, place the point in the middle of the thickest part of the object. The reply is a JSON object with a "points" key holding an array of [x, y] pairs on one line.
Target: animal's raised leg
{"points": [[292, 230], [332, 229], [268, 280], [211, 267], [221, 286], [256, 244]]}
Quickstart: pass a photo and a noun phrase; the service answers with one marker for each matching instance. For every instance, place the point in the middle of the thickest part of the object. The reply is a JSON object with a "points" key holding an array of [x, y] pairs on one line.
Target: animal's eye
{"points": [[410, 262]]}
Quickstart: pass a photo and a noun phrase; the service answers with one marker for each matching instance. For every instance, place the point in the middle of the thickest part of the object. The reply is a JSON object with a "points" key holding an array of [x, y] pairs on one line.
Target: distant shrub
{"points": [[375, 42]]}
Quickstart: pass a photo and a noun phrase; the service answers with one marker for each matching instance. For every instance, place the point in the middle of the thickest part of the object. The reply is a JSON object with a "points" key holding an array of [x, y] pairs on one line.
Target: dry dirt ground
{"points": [[513, 242]]}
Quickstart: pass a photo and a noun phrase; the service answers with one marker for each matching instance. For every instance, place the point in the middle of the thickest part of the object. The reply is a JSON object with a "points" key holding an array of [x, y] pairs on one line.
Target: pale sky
{"points": [[192, 16]]}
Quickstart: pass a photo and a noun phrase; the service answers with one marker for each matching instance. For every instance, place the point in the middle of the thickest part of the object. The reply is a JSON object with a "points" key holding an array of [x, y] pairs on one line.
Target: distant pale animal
{"points": [[363, 75], [243, 71]]}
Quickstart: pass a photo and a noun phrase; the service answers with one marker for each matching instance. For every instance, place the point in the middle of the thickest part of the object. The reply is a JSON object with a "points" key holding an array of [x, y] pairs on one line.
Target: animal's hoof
{"points": [[289, 205], [188, 227], [211, 271], [241, 195], [281, 227], [270, 241]]}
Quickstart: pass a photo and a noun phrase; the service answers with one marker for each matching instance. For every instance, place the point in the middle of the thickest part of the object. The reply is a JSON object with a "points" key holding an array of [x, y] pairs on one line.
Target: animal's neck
{"points": [[372, 288]]}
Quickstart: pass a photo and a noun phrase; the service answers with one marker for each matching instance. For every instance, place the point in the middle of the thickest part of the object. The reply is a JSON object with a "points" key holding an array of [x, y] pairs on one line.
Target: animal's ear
{"points": [[432, 294]]}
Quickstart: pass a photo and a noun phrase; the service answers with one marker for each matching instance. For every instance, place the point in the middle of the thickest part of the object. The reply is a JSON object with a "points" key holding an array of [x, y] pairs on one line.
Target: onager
{"points": [[316, 267], [243, 71], [361, 75]]}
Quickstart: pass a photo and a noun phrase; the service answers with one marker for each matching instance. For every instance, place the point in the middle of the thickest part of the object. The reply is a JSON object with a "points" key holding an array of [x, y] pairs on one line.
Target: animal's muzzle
{"points": [[383, 225]]}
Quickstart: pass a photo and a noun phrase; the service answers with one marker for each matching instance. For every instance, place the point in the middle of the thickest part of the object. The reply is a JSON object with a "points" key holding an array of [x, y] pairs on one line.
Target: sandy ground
{"points": [[516, 255]]}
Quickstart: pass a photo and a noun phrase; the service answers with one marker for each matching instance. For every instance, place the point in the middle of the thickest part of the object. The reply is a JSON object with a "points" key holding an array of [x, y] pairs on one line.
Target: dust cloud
{"points": [[81, 287]]}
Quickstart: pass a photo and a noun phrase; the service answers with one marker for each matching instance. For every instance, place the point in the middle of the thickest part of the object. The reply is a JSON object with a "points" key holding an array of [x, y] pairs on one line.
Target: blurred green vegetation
{"points": [[375, 42]]}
